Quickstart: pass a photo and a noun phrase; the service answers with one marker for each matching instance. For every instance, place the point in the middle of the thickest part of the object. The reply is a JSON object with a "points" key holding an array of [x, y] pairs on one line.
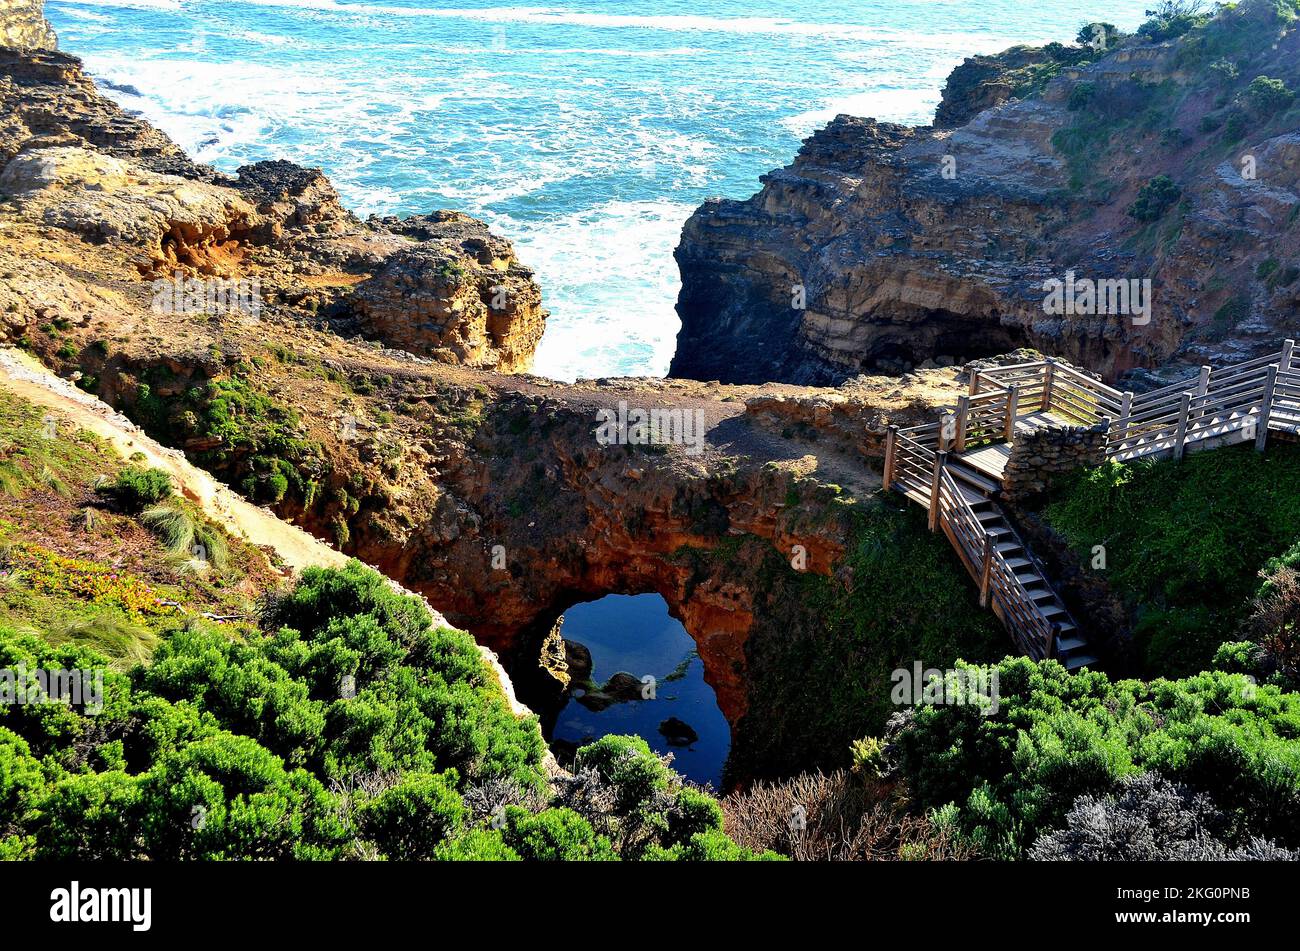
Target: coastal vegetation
{"points": [[347, 725], [1010, 777], [1184, 544]]}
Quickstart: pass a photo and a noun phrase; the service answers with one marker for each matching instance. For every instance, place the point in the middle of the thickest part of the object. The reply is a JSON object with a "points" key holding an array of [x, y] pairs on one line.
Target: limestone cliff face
{"points": [[23, 25], [884, 247], [440, 286], [459, 296]]}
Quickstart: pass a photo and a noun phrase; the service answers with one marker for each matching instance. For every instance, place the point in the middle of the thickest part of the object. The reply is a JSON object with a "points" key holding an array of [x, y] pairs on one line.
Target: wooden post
{"points": [[891, 436], [939, 460], [1180, 440], [1125, 411], [974, 383], [1203, 387], [986, 569], [1047, 386], [1013, 407], [1266, 410], [1053, 639], [1288, 351], [963, 418]]}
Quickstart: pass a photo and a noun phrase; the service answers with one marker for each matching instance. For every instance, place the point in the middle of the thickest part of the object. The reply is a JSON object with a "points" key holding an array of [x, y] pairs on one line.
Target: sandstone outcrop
{"points": [[23, 25], [460, 296], [439, 285], [882, 247]]}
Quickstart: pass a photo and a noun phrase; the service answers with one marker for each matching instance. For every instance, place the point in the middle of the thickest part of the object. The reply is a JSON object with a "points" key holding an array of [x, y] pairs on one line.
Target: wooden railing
{"points": [[985, 417], [1253, 398], [910, 457], [999, 586]]}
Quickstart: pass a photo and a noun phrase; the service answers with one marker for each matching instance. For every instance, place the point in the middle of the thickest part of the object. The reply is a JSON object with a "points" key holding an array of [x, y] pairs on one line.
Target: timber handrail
{"points": [[999, 584], [1253, 397], [1258, 394]]}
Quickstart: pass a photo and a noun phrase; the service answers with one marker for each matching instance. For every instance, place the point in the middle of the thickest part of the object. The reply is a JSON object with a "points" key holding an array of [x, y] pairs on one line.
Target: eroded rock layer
{"points": [[438, 285], [23, 25], [884, 247]]}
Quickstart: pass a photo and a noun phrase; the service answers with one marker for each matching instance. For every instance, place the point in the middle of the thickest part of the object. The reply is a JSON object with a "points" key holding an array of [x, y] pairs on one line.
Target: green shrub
{"points": [[477, 845], [1225, 70], [693, 812], [136, 487], [413, 817], [1056, 736], [1172, 19], [1155, 198], [554, 835], [1080, 96], [1268, 96], [226, 797], [1235, 126], [629, 765], [92, 816]]}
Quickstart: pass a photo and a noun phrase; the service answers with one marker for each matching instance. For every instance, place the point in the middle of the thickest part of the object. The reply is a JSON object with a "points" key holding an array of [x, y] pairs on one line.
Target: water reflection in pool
{"points": [[631, 639]]}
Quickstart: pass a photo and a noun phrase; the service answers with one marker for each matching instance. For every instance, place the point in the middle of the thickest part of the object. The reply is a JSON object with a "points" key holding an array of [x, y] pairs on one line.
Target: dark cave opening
{"points": [[940, 339]]}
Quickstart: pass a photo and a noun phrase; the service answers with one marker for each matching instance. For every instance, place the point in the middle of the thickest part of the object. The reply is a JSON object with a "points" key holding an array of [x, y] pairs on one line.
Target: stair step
{"points": [[971, 477], [975, 489], [1078, 661]]}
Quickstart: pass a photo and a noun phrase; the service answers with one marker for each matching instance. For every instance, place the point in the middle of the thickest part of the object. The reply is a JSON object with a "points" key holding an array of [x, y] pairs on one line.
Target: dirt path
{"points": [[24, 375]]}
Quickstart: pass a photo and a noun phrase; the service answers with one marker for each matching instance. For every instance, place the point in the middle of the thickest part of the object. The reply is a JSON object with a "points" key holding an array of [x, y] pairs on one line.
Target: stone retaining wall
{"points": [[1039, 457]]}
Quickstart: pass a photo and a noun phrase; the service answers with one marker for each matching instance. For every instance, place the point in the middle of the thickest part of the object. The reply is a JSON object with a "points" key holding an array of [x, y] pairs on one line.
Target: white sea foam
{"points": [[591, 259], [122, 4], [586, 137], [908, 106], [677, 23]]}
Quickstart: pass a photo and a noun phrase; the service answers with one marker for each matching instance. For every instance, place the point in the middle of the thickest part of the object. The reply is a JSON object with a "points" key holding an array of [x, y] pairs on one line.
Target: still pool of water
{"points": [[634, 634]]}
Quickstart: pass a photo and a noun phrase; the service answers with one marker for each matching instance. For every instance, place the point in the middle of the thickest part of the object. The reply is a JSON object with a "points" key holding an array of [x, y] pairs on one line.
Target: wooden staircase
{"points": [[953, 467], [1012, 582], [1065, 641]]}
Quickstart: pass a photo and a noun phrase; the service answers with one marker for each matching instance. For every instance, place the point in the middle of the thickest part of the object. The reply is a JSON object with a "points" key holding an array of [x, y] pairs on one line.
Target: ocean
{"points": [[586, 133]]}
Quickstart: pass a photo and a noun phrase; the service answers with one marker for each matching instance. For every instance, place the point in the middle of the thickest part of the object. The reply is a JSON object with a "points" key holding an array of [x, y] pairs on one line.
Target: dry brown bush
{"points": [[1274, 622], [847, 818]]}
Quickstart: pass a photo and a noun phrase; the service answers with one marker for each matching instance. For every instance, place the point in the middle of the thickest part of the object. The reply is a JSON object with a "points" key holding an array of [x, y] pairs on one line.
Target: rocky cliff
{"points": [[881, 247], [439, 285], [23, 25], [362, 400]]}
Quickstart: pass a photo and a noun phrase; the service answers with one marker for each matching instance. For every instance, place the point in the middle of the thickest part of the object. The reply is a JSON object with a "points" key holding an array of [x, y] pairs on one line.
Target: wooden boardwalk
{"points": [[954, 467]]}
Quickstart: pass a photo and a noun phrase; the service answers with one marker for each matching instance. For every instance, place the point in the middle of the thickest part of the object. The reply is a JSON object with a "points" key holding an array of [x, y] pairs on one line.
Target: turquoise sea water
{"points": [[586, 132]]}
